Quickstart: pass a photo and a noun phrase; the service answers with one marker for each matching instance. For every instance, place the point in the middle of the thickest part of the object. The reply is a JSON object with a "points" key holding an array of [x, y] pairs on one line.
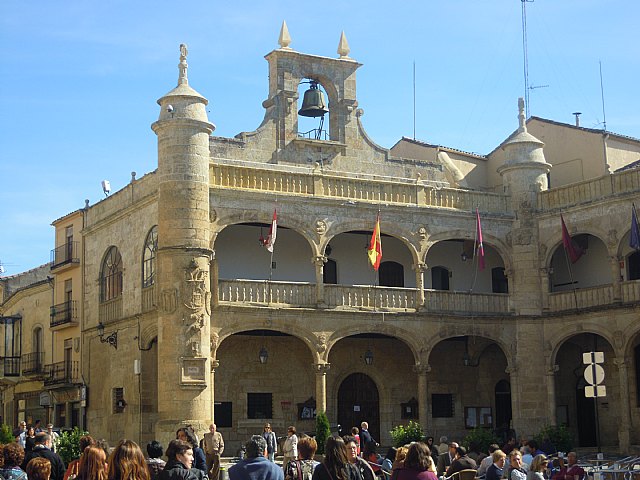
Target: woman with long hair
{"points": [[418, 464], [336, 464], [92, 465], [84, 442], [537, 468], [127, 462], [303, 467], [30, 439]]}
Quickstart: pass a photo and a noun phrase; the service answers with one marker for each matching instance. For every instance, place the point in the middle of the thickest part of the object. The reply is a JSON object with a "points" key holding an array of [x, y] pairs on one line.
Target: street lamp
{"points": [[110, 339]]}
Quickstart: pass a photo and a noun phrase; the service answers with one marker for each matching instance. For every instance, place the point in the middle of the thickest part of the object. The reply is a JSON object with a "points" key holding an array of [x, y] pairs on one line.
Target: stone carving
{"points": [[195, 298], [618, 339], [213, 215], [322, 368], [321, 227], [543, 250], [422, 232], [612, 239], [215, 338], [169, 300], [321, 345]]}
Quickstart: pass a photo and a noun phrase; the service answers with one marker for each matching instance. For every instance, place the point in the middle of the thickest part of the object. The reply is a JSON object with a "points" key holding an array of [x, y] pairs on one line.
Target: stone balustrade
{"points": [[585, 298], [630, 291], [590, 190], [263, 292], [369, 297], [464, 302], [110, 310], [375, 189], [148, 298]]}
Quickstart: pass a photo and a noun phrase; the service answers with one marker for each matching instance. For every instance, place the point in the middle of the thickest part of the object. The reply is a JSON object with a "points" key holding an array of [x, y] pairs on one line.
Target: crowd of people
{"points": [[353, 457]]}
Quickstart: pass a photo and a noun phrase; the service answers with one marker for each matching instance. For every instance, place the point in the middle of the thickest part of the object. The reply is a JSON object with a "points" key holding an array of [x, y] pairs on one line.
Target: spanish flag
{"points": [[375, 246]]}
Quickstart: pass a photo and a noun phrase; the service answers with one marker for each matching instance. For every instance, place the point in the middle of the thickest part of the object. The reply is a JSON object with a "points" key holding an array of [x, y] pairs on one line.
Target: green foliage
{"points": [[6, 435], [403, 434], [481, 438], [558, 435], [69, 444], [323, 431]]}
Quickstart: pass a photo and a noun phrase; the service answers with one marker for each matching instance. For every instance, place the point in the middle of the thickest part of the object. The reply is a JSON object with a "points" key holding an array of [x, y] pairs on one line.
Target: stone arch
{"points": [[555, 242], [630, 333], [406, 337], [496, 243], [291, 222], [455, 331], [148, 334], [590, 327], [359, 224], [314, 343]]}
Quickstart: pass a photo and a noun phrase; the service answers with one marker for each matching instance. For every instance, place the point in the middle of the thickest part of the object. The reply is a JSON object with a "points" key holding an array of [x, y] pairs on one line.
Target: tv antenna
{"points": [[525, 52]]}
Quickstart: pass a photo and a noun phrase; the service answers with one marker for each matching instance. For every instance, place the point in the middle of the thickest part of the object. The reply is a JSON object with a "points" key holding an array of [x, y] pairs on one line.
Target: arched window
{"points": [[440, 278], [111, 275], [149, 258], [391, 274], [37, 340]]}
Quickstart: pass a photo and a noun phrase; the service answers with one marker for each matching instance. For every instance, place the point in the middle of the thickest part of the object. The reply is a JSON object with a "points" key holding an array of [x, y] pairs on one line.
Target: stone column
{"points": [[420, 268], [321, 370], [184, 258], [214, 364], [544, 280], [551, 394], [423, 403], [615, 278], [319, 262], [624, 419], [516, 422]]}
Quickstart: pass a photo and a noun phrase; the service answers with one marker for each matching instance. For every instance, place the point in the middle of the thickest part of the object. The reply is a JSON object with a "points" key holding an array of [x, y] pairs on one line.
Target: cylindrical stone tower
{"points": [[184, 257]]}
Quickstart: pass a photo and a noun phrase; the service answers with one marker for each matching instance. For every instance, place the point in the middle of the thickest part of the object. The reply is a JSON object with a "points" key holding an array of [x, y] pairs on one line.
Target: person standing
{"points": [[272, 442], [290, 447], [213, 448], [42, 448], [256, 466], [365, 436], [54, 437]]}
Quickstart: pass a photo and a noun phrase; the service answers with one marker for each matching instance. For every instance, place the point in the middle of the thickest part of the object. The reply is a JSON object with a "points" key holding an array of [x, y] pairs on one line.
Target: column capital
{"points": [[214, 364], [319, 260], [551, 371], [321, 368], [420, 267], [422, 369], [621, 362]]}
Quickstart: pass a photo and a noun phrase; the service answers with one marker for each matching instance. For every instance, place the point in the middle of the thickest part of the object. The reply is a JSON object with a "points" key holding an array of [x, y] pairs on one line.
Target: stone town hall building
{"points": [[166, 309]]}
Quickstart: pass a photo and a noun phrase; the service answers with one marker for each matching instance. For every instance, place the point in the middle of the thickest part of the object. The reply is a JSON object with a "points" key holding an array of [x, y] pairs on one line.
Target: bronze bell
{"points": [[313, 104]]}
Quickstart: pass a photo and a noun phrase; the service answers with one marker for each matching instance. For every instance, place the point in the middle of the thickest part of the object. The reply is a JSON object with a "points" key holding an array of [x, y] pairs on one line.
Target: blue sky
{"points": [[79, 81]]}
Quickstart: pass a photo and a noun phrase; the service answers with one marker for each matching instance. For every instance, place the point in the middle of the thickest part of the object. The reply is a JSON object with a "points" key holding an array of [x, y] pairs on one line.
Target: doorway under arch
{"points": [[359, 401]]}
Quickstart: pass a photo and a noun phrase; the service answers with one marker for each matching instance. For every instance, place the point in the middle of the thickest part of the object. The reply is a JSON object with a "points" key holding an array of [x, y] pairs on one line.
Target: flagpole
{"points": [[573, 286]]}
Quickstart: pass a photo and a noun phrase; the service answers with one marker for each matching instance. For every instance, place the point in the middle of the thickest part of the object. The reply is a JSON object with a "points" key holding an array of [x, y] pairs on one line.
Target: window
{"points": [[12, 344], [259, 405], [391, 274], [119, 404], [442, 405], [499, 283], [330, 272], [111, 275], [223, 412], [440, 278], [478, 417], [149, 258], [634, 266], [68, 233]]}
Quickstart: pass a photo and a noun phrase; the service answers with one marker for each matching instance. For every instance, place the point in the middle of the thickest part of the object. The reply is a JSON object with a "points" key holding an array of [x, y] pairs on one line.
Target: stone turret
{"points": [[184, 257]]}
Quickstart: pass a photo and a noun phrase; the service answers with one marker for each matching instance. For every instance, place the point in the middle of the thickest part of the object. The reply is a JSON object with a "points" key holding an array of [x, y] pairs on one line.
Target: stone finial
{"points": [[182, 66], [343, 46], [285, 39], [521, 117]]}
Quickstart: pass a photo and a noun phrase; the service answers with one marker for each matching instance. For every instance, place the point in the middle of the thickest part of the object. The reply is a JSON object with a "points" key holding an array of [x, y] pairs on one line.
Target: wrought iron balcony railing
{"points": [[65, 254], [64, 313], [11, 366], [61, 373], [33, 363]]}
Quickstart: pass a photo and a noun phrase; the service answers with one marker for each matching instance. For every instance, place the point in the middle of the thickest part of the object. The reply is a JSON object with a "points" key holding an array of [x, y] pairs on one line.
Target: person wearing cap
{"points": [[461, 462], [446, 459], [54, 437]]}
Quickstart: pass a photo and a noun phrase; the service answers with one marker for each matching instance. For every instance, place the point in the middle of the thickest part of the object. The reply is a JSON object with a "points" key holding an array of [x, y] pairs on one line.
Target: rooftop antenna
{"points": [[414, 99], [604, 115], [525, 55]]}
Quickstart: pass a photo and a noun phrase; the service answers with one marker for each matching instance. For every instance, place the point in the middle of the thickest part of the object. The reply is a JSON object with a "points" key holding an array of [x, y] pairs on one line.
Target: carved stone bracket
{"points": [[319, 260], [421, 369], [322, 368], [551, 371]]}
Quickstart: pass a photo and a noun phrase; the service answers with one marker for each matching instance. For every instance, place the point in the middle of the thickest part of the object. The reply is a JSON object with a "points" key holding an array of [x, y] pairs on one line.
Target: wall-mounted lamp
{"points": [[368, 357], [263, 355], [111, 339]]}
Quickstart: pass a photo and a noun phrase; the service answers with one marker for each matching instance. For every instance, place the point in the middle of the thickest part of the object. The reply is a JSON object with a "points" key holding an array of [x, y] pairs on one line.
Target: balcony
{"points": [[358, 297], [65, 255], [148, 298], [581, 298], [11, 366], [110, 310], [61, 373], [33, 364], [64, 315]]}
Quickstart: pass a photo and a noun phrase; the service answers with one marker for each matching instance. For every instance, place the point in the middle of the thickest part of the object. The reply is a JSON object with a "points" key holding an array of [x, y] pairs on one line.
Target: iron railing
{"points": [[65, 254], [61, 373], [63, 313], [33, 363], [11, 366]]}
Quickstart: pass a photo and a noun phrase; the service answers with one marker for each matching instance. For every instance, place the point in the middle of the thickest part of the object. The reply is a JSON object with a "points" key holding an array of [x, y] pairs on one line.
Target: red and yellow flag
{"points": [[375, 246]]}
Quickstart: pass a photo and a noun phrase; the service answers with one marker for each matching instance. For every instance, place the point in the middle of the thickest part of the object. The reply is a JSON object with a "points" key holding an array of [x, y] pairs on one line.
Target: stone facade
{"points": [[211, 326]]}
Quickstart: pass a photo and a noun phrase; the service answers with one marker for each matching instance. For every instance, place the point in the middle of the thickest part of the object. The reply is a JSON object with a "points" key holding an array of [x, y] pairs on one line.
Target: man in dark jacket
{"points": [[462, 462], [256, 466], [42, 448]]}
